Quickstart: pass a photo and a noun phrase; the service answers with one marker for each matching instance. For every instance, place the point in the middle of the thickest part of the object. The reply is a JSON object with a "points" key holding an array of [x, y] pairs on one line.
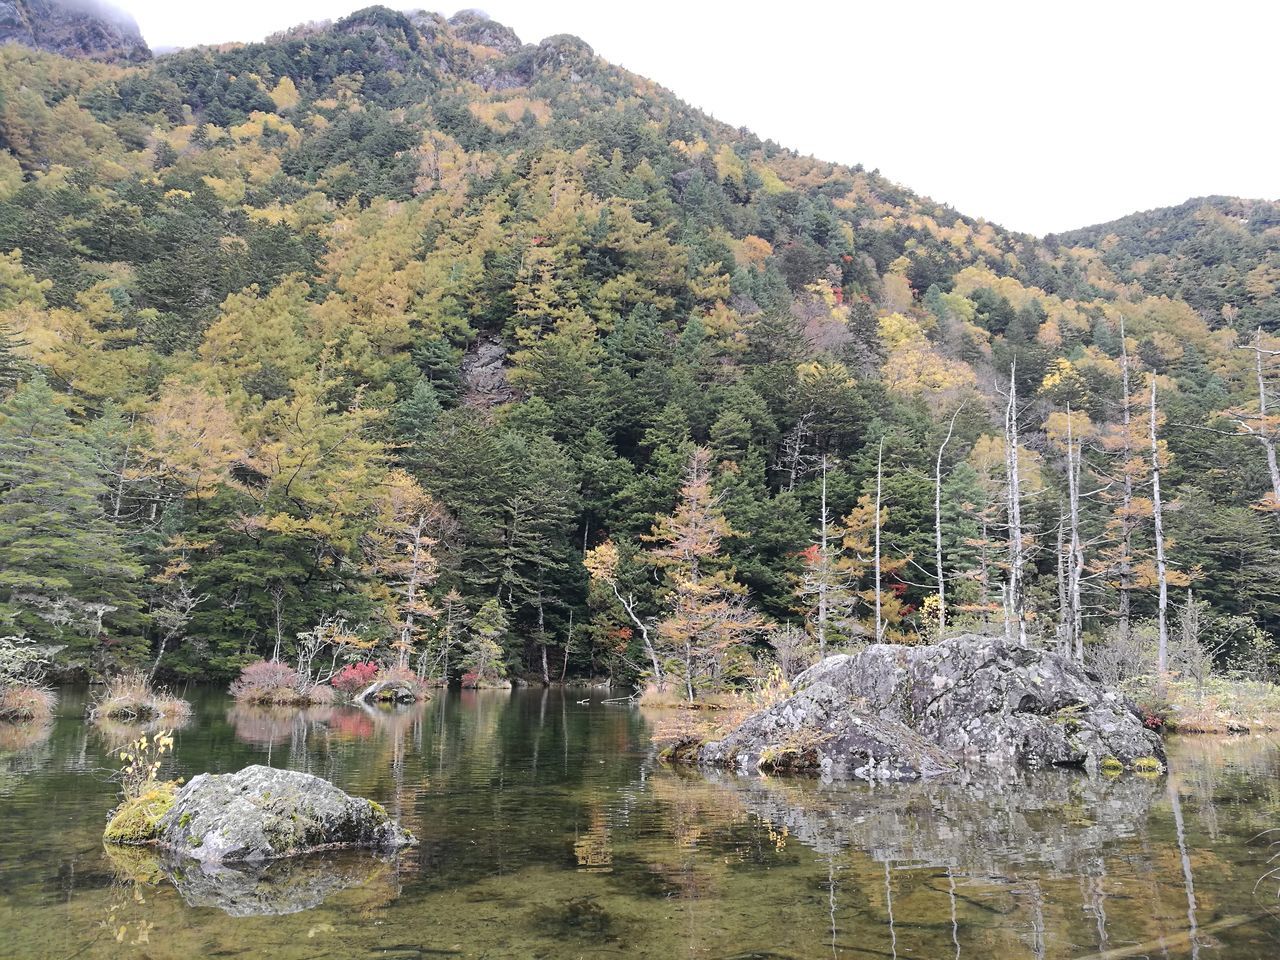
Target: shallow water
{"points": [[548, 830]]}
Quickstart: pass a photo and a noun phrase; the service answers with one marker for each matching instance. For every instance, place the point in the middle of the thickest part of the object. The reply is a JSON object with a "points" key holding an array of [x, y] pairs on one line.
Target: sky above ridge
{"points": [[1037, 116]]}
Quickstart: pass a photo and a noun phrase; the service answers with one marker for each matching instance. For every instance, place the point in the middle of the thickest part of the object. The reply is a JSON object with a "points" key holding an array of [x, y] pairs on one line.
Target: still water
{"points": [[548, 829]]}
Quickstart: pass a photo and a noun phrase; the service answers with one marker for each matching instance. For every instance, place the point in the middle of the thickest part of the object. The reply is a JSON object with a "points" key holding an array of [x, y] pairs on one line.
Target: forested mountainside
{"points": [[388, 331], [1219, 254]]}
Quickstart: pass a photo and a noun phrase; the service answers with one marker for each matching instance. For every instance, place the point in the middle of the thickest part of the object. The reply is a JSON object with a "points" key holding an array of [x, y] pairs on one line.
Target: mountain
{"points": [[73, 28], [277, 294], [1219, 254]]}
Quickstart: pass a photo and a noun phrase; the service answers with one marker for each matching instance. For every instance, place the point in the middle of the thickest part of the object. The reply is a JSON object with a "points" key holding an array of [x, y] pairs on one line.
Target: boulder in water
{"points": [[892, 712], [261, 813]]}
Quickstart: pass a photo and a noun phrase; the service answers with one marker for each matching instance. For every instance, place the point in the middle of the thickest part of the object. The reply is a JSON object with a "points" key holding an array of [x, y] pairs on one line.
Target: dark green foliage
{"points": [[65, 576]]}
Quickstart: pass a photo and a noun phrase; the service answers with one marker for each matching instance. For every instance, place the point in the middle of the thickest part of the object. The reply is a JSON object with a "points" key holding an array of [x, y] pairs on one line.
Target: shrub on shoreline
{"points": [[354, 677], [130, 698], [270, 682]]}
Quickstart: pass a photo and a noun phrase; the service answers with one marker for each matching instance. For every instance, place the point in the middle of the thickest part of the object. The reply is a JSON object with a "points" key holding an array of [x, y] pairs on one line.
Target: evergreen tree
{"points": [[65, 576], [483, 658]]}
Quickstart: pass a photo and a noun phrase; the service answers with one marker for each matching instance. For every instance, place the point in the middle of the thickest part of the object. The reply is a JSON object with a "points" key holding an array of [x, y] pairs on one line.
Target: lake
{"points": [[549, 829]]}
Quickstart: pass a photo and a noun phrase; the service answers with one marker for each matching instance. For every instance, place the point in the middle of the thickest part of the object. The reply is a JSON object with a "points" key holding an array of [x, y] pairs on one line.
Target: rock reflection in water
{"points": [[986, 860], [275, 888], [982, 823]]}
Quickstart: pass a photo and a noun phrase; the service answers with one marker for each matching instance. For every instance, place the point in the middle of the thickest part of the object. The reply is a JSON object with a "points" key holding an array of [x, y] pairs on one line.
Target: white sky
{"points": [[1037, 115]]}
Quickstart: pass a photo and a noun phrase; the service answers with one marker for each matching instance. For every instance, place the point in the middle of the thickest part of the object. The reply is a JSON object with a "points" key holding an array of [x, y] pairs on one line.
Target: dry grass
{"points": [[23, 703], [1220, 705], [678, 724], [130, 698]]}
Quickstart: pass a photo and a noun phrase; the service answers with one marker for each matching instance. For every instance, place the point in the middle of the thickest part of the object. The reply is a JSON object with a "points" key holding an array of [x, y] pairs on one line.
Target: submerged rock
{"points": [[261, 813], [894, 712]]}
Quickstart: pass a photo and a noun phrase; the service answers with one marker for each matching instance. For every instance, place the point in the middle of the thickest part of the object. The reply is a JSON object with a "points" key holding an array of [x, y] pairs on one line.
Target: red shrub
{"points": [[354, 677]]}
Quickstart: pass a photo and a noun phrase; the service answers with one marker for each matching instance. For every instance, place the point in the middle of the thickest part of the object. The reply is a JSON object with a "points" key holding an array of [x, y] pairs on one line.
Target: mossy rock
{"points": [[683, 751], [1148, 765], [789, 759], [135, 864], [138, 820], [1110, 764]]}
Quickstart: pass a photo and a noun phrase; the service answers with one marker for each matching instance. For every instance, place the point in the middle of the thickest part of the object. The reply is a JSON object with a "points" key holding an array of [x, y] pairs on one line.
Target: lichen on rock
{"points": [[261, 813], [892, 712]]}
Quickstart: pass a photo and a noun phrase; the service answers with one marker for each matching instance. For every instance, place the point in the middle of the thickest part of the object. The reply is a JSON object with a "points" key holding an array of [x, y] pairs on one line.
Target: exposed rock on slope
{"points": [[261, 813], [900, 713], [73, 28]]}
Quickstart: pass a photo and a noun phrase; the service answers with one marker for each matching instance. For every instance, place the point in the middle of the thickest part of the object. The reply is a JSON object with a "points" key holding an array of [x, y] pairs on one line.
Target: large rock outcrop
{"points": [[73, 28], [261, 813], [901, 713]]}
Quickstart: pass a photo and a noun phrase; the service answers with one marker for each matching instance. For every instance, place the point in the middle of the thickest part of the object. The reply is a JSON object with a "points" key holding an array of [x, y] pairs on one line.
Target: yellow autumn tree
{"points": [[708, 614]]}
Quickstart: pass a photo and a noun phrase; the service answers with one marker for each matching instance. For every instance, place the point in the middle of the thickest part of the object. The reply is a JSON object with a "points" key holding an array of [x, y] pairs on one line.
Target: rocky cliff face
{"points": [[73, 28]]}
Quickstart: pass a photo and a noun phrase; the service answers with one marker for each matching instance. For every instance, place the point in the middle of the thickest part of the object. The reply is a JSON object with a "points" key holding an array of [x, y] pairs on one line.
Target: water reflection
{"points": [[269, 726], [997, 858], [278, 888], [23, 750], [982, 823], [117, 733], [548, 829]]}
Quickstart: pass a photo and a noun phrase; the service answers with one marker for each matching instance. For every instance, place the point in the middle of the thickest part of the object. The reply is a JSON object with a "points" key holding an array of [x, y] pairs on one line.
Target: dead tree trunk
{"points": [[1015, 612], [879, 497], [1126, 504], [1157, 516], [937, 526]]}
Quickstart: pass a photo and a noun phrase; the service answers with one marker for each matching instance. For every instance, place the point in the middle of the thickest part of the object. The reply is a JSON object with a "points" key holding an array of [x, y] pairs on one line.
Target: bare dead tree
{"points": [[1157, 516], [937, 524], [1015, 617]]}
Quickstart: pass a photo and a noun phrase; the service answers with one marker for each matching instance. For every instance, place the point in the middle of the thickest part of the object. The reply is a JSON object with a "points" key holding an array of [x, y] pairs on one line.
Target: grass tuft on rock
{"points": [[26, 703], [130, 698], [137, 820]]}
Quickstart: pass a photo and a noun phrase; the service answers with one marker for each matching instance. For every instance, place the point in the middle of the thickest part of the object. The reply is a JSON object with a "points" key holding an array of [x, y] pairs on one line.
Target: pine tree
{"points": [[64, 573], [484, 657]]}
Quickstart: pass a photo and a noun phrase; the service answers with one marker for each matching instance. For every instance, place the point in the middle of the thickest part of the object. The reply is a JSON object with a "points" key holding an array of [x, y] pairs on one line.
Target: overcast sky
{"points": [[1040, 116]]}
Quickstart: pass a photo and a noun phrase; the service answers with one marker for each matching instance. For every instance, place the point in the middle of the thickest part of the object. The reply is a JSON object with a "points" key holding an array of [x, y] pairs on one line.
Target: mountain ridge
{"points": [[275, 292]]}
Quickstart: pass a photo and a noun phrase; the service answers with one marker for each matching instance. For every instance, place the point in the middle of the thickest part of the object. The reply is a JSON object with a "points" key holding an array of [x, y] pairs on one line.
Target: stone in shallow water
{"points": [[261, 813], [894, 712]]}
